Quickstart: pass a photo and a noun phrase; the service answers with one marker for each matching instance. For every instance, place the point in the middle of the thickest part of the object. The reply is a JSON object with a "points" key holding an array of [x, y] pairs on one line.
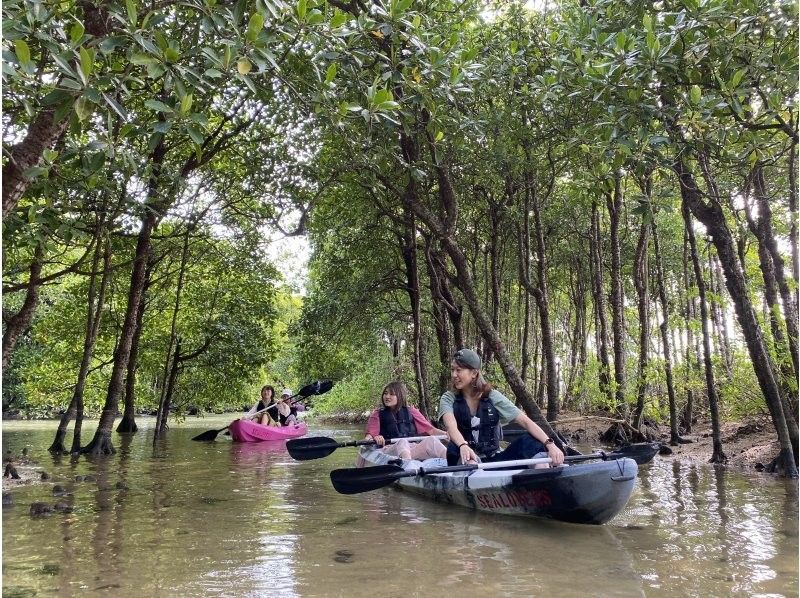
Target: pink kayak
{"points": [[244, 430]]}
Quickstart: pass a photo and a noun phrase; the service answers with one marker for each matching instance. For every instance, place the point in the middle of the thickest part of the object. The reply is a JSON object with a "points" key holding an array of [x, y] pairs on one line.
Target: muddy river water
{"points": [[223, 519]]}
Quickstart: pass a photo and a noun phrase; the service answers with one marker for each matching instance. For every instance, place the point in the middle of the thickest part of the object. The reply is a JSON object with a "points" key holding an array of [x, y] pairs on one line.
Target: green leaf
{"points": [[171, 54], [737, 78], [302, 6], [83, 108], [22, 51], [330, 74], [158, 106], [115, 106], [196, 134], [186, 103], [254, 26], [315, 17], [109, 44], [439, 136], [35, 171], [381, 96], [339, 18], [71, 83], [76, 32], [87, 61], [695, 94], [133, 15], [143, 59], [647, 21]]}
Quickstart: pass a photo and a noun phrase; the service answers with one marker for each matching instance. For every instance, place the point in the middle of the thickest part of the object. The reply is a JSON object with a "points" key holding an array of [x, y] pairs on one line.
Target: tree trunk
{"points": [[717, 454], [598, 295], [763, 230], [43, 133], [614, 206], [441, 322], [408, 250], [640, 282], [93, 319], [19, 322], [163, 403], [721, 330], [127, 424], [714, 220], [674, 434], [692, 359], [793, 232], [170, 377], [539, 292]]}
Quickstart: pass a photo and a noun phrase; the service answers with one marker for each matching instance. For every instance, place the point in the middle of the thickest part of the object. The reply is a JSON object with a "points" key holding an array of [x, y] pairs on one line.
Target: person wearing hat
{"points": [[473, 413], [287, 413]]}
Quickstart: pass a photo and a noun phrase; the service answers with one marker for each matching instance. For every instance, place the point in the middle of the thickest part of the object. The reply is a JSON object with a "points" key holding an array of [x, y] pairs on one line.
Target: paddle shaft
{"points": [[317, 447], [514, 463]]}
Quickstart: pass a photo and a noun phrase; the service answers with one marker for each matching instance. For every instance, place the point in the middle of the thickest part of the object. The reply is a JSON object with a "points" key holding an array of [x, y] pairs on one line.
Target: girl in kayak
{"points": [[287, 413], [395, 418], [266, 418], [472, 413]]}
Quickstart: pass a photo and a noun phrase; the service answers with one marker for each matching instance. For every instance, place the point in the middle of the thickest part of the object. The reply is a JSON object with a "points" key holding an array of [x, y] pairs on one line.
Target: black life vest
{"points": [[261, 406], [489, 433], [399, 426]]}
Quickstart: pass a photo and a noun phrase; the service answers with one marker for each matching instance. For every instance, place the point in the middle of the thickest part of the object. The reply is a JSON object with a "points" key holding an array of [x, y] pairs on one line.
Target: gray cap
{"points": [[286, 392], [469, 358]]}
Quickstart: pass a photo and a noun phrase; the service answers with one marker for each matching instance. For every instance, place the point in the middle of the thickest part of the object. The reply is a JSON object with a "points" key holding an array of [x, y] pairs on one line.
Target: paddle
{"points": [[314, 388], [641, 452], [317, 447], [364, 479]]}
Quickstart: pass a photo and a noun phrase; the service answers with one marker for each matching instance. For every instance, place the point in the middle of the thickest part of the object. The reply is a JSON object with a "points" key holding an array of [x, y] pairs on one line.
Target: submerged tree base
{"points": [[99, 447], [127, 426]]}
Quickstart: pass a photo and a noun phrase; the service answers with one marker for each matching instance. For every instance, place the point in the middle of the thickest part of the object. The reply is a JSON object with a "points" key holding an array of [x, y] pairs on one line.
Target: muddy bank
{"points": [[750, 444]]}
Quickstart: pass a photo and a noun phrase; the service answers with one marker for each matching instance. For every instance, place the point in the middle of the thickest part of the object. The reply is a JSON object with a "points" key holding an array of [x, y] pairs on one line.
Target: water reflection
{"points": [[193, 519]]}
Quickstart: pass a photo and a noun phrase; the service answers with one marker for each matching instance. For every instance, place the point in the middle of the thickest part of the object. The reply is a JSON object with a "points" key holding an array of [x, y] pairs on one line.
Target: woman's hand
{"points": [[555, 454], [467, 454], [379, 440]]}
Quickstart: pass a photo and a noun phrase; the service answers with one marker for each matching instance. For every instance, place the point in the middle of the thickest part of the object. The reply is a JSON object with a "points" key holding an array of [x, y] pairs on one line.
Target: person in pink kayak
{"points": [[268, 417], [287, 413], [396, 419]]}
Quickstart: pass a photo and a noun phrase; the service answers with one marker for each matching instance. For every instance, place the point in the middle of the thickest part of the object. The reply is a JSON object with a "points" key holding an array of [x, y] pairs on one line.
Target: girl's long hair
{"points": [[399, 390]]}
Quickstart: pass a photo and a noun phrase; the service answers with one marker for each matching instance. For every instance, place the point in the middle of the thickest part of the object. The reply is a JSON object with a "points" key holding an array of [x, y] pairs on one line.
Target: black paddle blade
{"points": [[308, 390], [324, 386], [305, 449], [364, 479], [642, 452], [208, 435]]}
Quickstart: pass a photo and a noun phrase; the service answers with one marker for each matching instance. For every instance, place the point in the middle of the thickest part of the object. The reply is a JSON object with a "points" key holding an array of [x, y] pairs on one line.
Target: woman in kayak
{"points": [[395, 418], [473, 412], [287, 413], [266, 418]]}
